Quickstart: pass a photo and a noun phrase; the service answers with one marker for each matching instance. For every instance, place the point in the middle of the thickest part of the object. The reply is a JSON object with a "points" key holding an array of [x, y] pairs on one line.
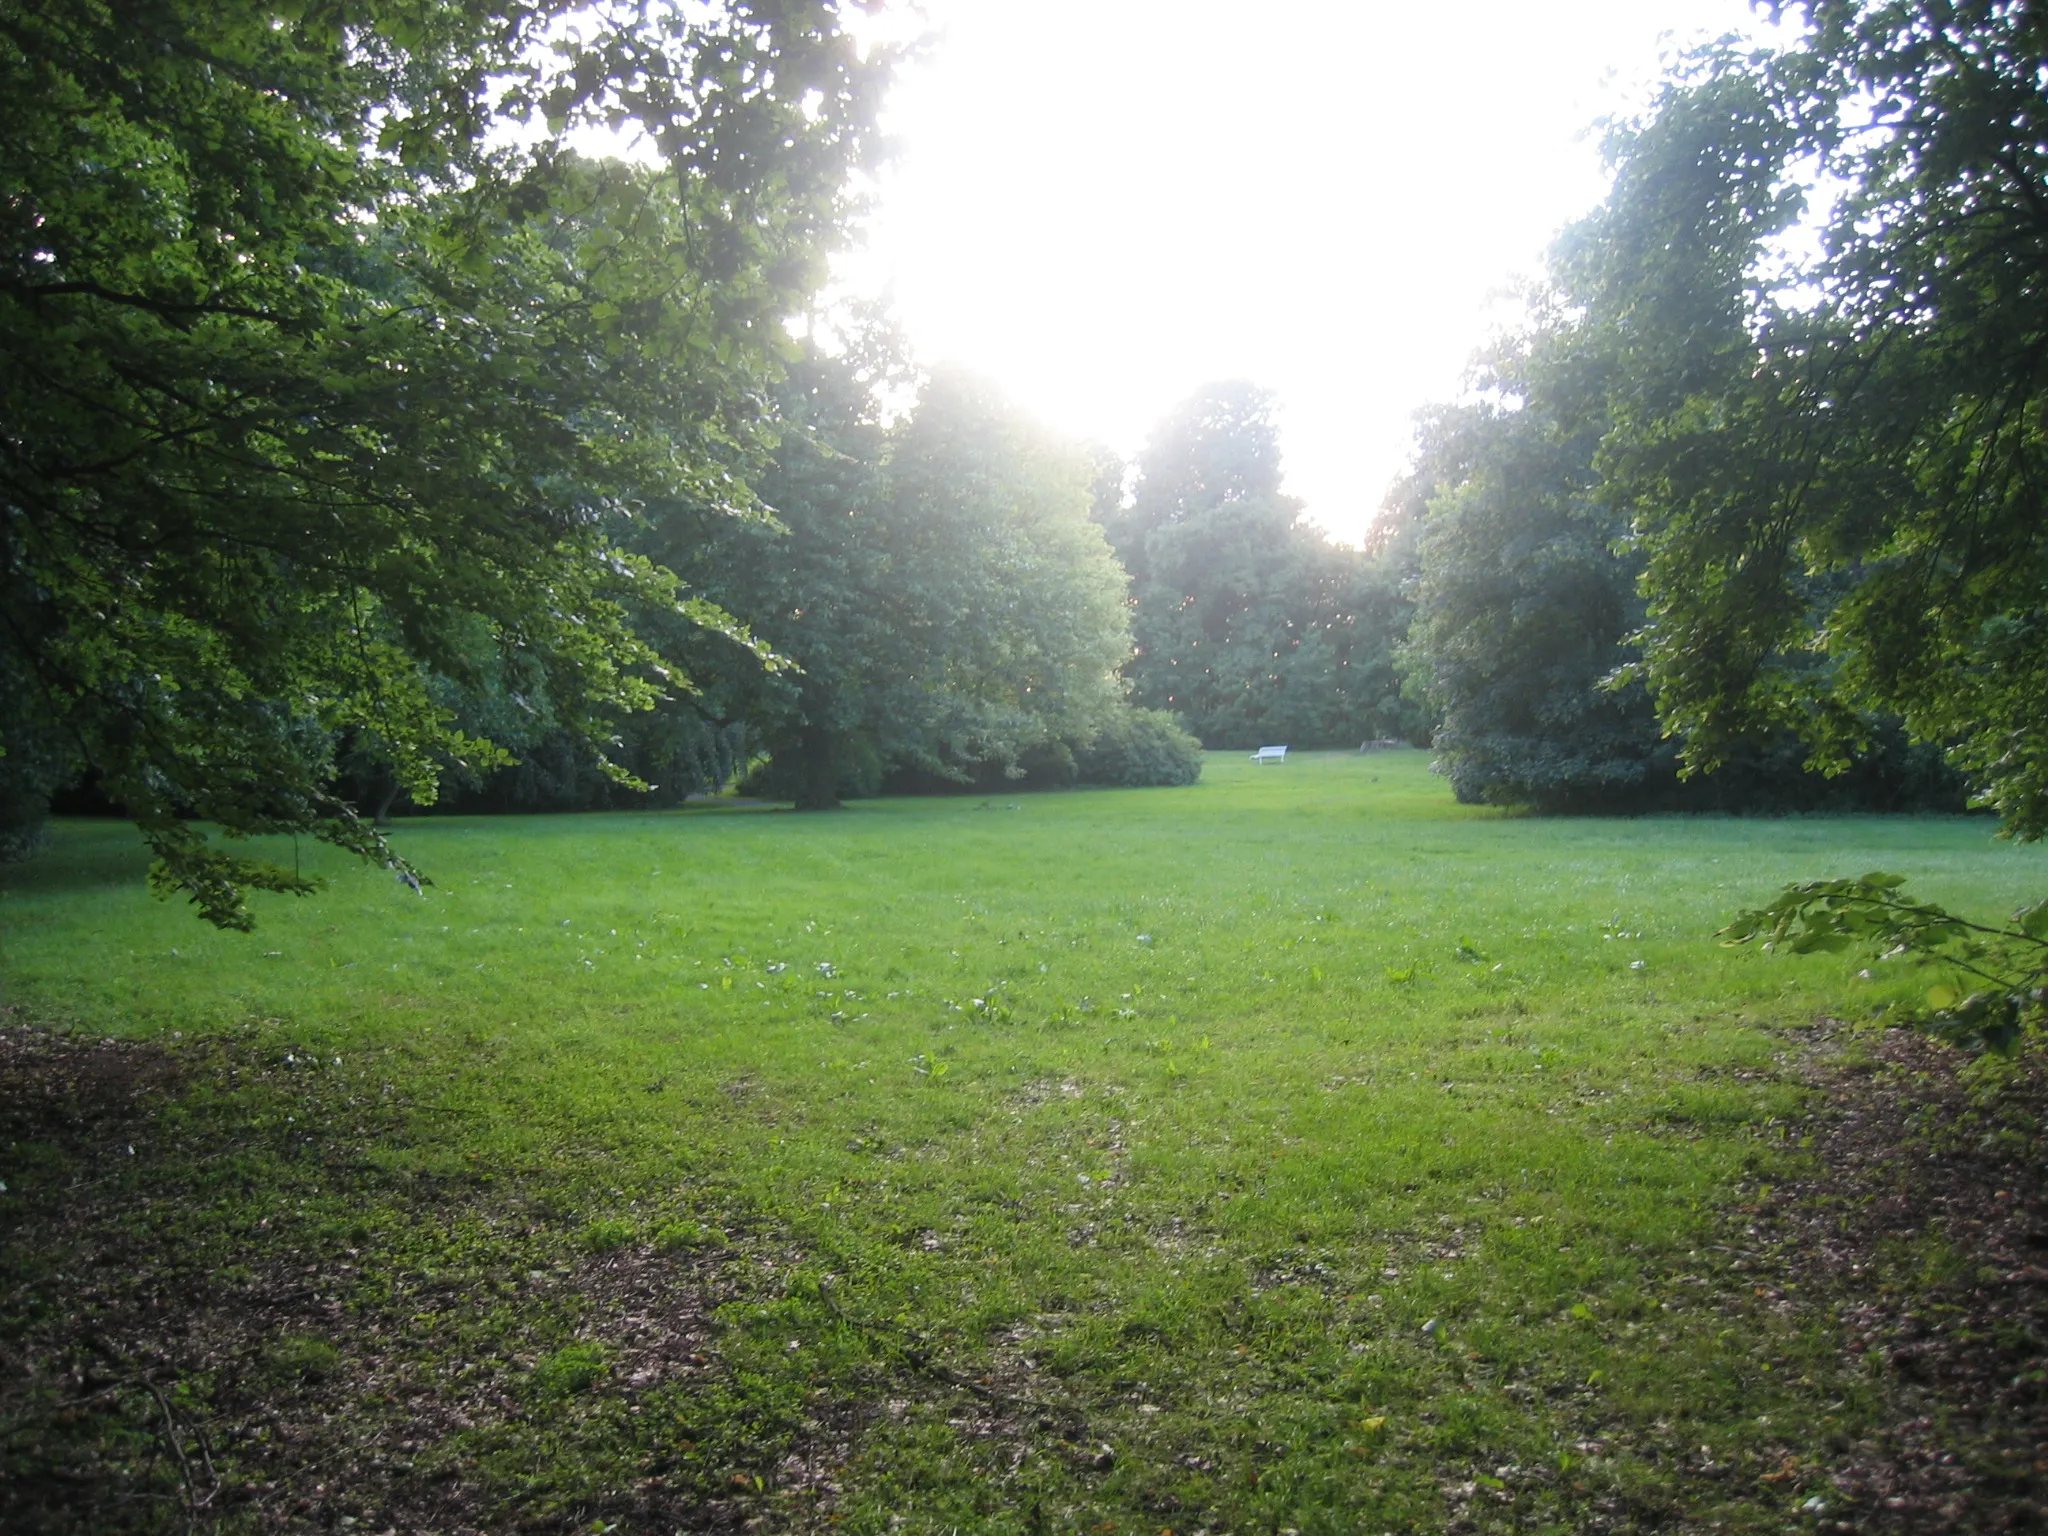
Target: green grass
{"points": [[1312, 1143]]}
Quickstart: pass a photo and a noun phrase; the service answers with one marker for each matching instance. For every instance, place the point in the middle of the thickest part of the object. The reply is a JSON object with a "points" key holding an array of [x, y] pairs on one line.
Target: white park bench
{"points": [[1270, 755]]}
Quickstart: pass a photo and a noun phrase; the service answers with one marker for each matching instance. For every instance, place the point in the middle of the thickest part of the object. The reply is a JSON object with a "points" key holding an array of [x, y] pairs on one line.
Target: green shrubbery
{"points": [[1136, 748], [1140, 747]]}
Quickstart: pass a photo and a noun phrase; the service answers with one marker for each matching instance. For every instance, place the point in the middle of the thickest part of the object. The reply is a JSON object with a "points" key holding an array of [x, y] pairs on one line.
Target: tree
{"points": [[315, 381], [1522, 607], [1527, 610], [1018, 605], [938, 584], [808, 582], [1834, 465], [1249, 623], [1637, 373], [1842, 459]]}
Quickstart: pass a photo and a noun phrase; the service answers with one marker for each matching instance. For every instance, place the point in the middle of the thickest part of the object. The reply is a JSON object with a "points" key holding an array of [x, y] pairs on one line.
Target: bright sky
{"points": [[1101, 204]]}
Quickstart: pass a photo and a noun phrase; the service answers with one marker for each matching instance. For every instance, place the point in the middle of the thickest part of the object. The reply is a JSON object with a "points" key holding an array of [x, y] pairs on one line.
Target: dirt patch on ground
{"points": [[1927, 1223], [541, 1385]]}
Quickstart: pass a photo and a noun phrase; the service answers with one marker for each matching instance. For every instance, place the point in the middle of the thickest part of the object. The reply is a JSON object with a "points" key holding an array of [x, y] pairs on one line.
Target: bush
{"points": [[1140, 747]]}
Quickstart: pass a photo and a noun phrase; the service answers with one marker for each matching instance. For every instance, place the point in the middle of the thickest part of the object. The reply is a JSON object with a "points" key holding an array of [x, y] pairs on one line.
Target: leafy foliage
{"points": [[1630, 402], [1525, 608], [1522, 607], [2006, 969], [950, 606], [1832, 465], [318, 393], [1249, 624], [1140, 747], [1843, 457], [1022, 611]]}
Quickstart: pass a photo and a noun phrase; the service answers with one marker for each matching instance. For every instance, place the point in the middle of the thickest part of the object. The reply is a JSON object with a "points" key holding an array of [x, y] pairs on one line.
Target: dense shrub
{"points": [[1140, 747]]}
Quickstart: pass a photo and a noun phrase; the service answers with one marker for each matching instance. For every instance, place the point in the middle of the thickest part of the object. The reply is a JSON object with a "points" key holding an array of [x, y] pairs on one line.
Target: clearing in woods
{"points": [[1299, 1150]]}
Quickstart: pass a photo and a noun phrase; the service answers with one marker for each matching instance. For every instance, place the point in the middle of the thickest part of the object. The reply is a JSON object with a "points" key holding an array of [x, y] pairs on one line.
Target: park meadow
{"points": [[1294, 1151]]}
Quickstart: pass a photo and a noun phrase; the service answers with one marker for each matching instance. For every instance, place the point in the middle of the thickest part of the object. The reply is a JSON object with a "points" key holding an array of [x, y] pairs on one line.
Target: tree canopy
{"points": [[326, 381], [938, 583], [1788, 382], [1835, 464], [1522, 606], [1249, 623]]}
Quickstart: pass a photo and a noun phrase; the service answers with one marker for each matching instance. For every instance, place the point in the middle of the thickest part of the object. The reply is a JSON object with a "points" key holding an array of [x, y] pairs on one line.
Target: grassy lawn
{"points": [[1297, 1151]]}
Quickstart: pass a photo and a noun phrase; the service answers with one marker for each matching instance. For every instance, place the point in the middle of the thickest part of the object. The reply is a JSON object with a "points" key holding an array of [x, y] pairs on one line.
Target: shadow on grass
{"points": [[216, 1315], [80, 855]]}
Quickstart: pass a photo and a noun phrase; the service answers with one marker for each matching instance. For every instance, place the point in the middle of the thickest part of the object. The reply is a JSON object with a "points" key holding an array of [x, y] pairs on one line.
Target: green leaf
{"points": [[1875, 912], [2033, 921]]}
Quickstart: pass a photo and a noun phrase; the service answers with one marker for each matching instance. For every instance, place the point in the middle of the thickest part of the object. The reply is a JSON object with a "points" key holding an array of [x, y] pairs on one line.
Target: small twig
{"points": [[918, 1360], [192, 1504]]}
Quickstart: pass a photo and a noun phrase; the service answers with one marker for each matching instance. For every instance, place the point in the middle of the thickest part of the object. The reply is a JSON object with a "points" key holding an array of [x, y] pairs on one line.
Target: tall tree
{"points": [[1522, 606], [313, 379], [1527, 608], [1849, 458], [1249, 623], [938, 584]]}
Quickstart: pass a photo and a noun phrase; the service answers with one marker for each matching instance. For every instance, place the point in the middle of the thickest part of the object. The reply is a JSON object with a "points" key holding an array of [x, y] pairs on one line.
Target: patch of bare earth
{"points": [[1926, 1221], [144, 1388]]}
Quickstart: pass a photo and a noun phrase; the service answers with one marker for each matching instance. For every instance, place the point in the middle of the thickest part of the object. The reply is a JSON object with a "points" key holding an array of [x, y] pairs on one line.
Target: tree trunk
{"points": [[817, 773], [383, 817]]}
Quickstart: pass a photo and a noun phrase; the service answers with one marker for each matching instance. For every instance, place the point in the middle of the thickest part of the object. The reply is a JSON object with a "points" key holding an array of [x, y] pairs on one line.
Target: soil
{"points": [[1925, 1227], [142, 1391]]}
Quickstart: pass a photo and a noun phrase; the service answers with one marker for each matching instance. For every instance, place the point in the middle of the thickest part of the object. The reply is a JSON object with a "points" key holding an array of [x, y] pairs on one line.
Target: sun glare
{"points": [[1101, 204]]}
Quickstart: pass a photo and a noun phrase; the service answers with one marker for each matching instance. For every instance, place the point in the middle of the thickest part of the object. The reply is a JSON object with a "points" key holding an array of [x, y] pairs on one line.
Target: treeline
{"points": [[1732, 521], [1527, 605], [960, 600], [954, 598], [1250, 623], [957, 599], [923, 602], [363, 451]]}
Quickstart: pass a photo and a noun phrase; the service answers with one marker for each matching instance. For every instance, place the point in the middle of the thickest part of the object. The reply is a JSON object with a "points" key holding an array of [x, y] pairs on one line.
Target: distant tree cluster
{"points": [[965, 601], [922, 603], [358, 451], [957, 599], [952, 615], [1250, 623]]}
